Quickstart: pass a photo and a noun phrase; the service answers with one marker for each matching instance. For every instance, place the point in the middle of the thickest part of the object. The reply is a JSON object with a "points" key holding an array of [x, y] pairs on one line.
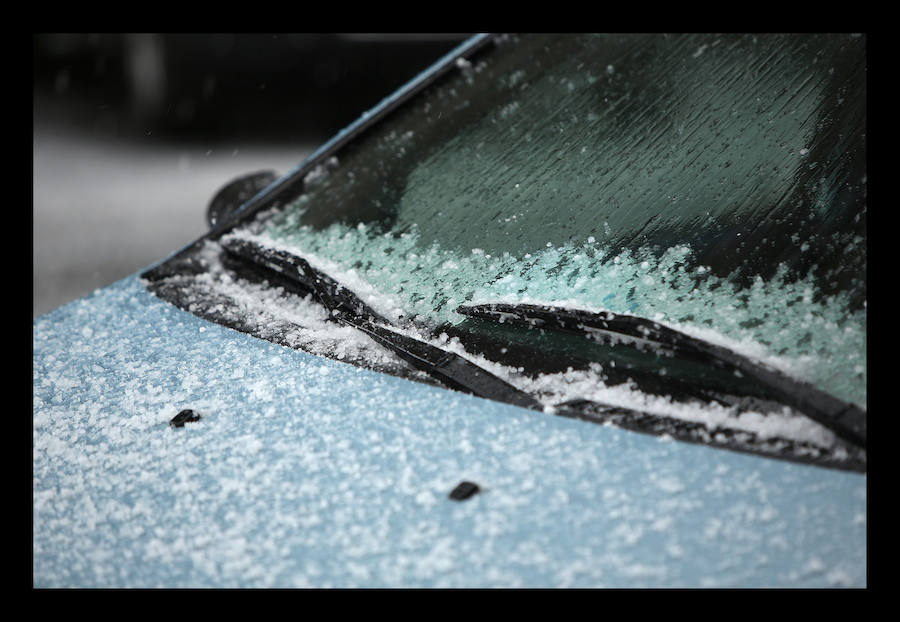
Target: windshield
{"points": [[713, 183]]}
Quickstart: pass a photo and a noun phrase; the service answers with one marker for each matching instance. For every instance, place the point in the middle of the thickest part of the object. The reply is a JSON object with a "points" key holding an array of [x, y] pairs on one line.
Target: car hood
{"points": [[305, 471]]}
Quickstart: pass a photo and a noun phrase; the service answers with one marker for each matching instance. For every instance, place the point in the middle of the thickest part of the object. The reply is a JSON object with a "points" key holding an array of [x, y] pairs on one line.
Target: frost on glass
{"points": [[713, 183]]}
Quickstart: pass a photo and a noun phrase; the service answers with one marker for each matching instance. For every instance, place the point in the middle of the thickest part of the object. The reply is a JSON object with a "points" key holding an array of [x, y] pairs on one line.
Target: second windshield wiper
{"points": [[847, 421]]}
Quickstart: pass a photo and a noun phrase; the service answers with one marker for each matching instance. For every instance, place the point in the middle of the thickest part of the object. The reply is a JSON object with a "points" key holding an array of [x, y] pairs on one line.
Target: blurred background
{"points": [[134, 133]]}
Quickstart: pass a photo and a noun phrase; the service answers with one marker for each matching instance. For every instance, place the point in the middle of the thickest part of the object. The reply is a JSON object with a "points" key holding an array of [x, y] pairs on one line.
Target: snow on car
{"points": [[421, 358]]}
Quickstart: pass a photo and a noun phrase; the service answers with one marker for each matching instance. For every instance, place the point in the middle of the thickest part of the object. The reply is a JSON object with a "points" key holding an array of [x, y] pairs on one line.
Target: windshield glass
{"points": [[714, 183]]}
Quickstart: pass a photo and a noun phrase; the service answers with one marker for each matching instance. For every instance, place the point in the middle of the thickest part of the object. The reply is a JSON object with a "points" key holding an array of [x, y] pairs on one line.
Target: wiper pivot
{"points": [[450, 368]]}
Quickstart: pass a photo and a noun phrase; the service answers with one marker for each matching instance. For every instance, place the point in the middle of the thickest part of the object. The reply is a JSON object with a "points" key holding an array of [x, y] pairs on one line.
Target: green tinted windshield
{"points": [[716, 183]]}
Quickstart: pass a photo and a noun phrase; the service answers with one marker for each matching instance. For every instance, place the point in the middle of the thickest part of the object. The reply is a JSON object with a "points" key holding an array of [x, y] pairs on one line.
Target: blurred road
{"points": [[105, 208], [133, 134]]}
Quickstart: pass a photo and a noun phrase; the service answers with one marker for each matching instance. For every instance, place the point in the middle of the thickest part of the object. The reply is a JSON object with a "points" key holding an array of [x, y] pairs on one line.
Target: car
{"points": [[563, 311]]}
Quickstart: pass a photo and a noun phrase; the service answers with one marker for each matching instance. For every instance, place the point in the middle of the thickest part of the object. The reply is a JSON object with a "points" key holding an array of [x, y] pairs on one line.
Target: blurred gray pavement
{"points": [[134, 133], [105, 208]]}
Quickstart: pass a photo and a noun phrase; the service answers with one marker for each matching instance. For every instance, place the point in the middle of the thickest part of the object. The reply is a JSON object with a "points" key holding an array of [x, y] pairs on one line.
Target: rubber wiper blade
{"points": [[346, 307], [338, 299], [846, 420]]}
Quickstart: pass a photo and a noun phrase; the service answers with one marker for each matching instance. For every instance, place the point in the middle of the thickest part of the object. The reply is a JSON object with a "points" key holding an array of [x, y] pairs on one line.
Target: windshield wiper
{"points": [[295, 273], [847, 421], [290, 269]]}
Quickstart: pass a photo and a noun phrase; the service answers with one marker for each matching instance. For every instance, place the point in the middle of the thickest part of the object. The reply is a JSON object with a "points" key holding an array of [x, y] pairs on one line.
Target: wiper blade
{"points": [[335, 297], [347, 308], [847, 421]]}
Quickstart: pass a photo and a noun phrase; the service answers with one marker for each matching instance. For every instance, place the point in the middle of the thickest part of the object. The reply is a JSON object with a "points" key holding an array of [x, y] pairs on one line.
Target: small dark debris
{"points": [[464, 491], [185, 416]]}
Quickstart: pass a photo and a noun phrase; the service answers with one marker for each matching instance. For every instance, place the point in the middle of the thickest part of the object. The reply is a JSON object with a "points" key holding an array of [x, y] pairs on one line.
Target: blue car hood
{"points": [[304, 471]]}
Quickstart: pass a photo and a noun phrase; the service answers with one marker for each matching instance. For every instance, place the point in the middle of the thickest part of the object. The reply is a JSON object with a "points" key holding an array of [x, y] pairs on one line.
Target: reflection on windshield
{"points": [[716, 183]]}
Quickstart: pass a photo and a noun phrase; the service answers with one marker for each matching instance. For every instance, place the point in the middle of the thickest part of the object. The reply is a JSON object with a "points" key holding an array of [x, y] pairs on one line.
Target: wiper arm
{"points": [[847, 421], [347, 308]]}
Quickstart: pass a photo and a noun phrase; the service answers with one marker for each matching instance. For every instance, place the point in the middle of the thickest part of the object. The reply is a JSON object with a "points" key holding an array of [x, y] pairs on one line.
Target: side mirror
{"points": [[235, 193]]}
